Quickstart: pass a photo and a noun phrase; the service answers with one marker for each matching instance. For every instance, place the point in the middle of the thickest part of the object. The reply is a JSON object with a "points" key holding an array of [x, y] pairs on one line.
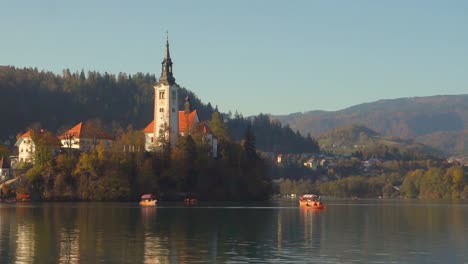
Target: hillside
{"points": [[32, 98], [349, 139], [432, 120]]}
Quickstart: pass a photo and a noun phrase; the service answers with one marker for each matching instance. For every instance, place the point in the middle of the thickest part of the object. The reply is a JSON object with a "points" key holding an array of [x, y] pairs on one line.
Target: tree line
{"points": [[126, 171], [33, 98], [433, 182]]}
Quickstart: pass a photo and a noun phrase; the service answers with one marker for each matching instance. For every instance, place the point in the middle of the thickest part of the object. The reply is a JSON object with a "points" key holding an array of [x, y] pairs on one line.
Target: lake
{"points": [[362, 231]]}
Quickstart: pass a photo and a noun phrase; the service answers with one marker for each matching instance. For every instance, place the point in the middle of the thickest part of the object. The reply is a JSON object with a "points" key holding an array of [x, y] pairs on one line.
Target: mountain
{"points": [[438, 121]]}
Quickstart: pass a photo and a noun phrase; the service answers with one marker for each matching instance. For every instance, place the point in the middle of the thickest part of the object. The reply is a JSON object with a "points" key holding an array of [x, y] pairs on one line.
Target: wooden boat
{"points": [[23, 197], [190, 201], [148, 200], [311, 201]]}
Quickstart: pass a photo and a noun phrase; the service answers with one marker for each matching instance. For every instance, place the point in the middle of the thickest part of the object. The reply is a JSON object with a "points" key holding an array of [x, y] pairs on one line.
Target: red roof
{"points": [[50, 138], [186, 122], [149, 128], [27, 134], [87, 130]]}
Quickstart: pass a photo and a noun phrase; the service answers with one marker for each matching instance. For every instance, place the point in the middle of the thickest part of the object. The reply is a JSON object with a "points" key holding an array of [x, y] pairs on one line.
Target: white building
{"points": [[166, 112], [85, 136], [27, 147], [168, 121]]}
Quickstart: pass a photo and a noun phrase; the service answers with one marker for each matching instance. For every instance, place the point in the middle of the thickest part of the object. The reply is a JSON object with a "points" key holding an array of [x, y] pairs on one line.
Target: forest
{"points": [[33, 98]]}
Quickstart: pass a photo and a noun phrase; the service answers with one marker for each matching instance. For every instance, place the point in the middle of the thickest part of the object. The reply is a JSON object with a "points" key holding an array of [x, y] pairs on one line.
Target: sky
{"points": [[253, 56]]}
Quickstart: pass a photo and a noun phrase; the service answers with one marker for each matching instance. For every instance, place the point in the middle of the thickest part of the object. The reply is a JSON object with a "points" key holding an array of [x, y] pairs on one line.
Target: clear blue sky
{"points": [[253, 56]]}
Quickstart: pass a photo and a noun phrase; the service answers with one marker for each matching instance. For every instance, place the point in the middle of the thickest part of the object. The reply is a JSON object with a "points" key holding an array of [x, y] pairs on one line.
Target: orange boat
{"points": [[148, 200], [311, 201]]}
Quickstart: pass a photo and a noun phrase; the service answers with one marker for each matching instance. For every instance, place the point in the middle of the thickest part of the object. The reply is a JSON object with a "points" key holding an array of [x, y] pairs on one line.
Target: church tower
{"points": [[166, 119]]}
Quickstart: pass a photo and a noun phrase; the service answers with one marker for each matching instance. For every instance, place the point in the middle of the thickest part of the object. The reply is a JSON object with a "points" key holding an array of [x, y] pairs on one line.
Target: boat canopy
{"points": [[147, 196], [309, 196]]}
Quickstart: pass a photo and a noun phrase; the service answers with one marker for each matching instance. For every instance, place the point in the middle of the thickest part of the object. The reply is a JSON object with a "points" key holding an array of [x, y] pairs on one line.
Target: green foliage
{"points": [[59, 101], [218, 127], [4, 151], [296, 187], [365, 143], [433, 183], [271, 135]]}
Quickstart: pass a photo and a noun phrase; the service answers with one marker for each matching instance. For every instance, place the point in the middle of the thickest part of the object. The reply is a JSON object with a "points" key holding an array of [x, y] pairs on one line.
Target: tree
{"points": [[218, 128], [249, 144], [44, 143]]}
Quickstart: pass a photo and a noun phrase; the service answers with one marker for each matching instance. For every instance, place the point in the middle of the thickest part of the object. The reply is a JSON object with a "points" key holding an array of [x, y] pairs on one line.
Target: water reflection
{"points": [[155, 246], [69, 246], [25, 243], [344, 233]]}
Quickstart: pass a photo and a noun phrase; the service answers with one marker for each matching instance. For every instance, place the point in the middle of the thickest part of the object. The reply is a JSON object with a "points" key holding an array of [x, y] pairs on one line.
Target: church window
{"points": [[161, 95]]}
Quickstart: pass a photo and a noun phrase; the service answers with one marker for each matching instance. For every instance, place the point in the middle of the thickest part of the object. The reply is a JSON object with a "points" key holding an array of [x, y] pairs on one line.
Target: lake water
{"points": [[363, 231]]}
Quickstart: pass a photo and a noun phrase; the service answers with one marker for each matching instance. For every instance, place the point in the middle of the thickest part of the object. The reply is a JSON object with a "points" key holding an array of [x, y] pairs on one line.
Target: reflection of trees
{"points": [[111, 233]]}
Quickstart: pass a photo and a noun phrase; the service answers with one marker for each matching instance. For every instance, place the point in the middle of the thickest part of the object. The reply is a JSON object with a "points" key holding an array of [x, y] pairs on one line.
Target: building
{"points": [[85, 136], [27, 147], [188, 124], [186, 121], [166, 112], [169, 123]]}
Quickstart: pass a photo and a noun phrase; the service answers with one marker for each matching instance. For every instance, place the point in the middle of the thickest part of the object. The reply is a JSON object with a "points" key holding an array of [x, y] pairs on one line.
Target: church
{"points": [[168, 122]]}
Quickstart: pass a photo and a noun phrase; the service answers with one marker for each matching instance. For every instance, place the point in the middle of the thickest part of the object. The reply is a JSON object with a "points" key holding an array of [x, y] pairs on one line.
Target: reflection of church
{"points": [[168, 122]]}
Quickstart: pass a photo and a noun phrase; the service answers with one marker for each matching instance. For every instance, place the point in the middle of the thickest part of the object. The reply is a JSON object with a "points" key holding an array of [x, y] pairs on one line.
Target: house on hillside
{"points": [[279, 158], [27, 147], [312, 163], [85, 136]]}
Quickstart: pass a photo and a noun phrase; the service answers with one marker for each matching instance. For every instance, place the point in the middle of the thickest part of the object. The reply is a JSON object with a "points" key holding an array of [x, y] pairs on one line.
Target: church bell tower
{"points": [[166, 112]]}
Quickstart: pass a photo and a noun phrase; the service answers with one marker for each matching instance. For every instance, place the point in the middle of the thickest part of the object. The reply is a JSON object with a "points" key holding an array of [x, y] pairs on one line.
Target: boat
{"points": [[23, 197], [148, 200], [190, 201], [311, 201]]}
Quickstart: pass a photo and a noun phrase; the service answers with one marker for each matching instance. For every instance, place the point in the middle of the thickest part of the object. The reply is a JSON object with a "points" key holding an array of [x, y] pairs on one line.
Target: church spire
{"points": [[167, 77], [167, 56]]}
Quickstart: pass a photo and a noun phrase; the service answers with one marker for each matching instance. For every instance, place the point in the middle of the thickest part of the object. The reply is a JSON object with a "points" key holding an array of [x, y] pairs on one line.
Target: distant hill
{"points": [[438, 121], [349, 139]]}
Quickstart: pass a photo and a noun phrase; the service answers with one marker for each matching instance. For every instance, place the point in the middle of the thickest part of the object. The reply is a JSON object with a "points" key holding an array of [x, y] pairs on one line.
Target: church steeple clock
{"points": [[166, 119]]}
